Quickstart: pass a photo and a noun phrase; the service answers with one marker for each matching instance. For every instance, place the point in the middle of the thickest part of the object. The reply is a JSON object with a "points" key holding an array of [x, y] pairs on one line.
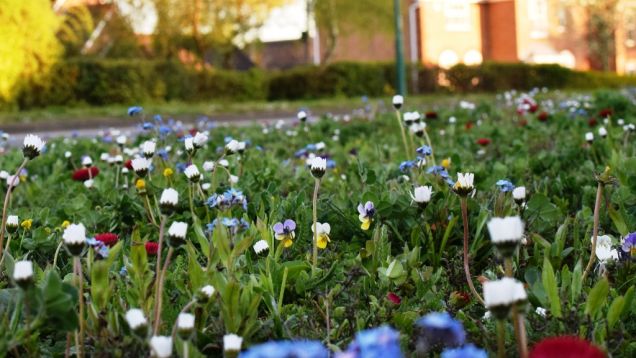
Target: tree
{"points": [[602, 22], [345, 16], [29, 47], [200, 25]]}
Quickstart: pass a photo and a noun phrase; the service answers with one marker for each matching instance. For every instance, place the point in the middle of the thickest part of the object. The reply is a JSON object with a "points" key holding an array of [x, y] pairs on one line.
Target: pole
{"points": [[399, 50], [413, 44]]}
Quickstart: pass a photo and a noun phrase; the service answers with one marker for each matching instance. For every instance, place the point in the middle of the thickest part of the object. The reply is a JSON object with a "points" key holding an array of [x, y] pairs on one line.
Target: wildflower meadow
{"points": [[502, 227]]}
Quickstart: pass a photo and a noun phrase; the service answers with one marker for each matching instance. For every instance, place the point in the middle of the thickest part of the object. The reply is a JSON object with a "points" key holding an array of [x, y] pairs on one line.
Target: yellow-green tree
{"points": [[200, 25], [28, 45]]}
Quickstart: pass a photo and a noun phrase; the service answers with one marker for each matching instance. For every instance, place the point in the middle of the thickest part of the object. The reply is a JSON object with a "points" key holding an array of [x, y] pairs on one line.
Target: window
{"points": [[630, 27], [457, 14], [538, 16]]}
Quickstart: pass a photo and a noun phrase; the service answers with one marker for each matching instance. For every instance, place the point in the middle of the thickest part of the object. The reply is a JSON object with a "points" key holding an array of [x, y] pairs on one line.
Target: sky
{"points": [[285, 23]]}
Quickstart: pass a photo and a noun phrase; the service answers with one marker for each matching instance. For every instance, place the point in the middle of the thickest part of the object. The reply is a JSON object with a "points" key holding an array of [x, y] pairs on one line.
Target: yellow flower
{"points": [[47, 230], [446, 163], [322, 231], [168, 172], [26, 224], [366, 223], [65, 224], [140, 184]]}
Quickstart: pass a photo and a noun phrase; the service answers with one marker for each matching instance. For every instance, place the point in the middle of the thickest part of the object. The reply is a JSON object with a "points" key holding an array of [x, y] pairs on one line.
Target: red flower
{"points": [[543, 116], [483, 141], [152, 248], [604, 113], [107, 238], [83, 174], [431, 115], [394, 298], [193, 131], [523, 122], [592, 122], [565, 347], [468, 125], [533, 108], [128, 164]]}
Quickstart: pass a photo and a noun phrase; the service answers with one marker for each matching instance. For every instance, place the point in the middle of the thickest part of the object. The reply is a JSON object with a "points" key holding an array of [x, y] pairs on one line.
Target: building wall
{"points": [[450, 32], [499, 41]]}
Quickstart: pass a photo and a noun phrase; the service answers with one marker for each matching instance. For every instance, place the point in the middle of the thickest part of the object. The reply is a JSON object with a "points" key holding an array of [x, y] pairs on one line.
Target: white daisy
{"points": [[161, 346], [135, 318], [148, 148], [519, 193], [199, 139], [260, 246], [32, 146], [422, 194], [23, 270], [185, 321], [232, 146], [398, 101], [141, 166], [169, 197], [178, 229], [508, 229], [192, 172], [232, 342], [318, 166], [208, 166]]}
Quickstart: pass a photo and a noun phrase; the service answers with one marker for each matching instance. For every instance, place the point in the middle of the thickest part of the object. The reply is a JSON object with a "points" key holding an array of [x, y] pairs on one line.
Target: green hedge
{"points": [[492, 77], [101, 82]]}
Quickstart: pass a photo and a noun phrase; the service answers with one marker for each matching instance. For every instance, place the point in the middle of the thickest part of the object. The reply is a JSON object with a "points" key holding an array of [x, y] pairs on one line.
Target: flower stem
{"points": [[469, 280], [597, 209], [501, 339], [80, 287], [160, 292], [314, 260], [7, 197], [398, 115], [517, 317], [162, 226], [6, 249], [428, 142]]}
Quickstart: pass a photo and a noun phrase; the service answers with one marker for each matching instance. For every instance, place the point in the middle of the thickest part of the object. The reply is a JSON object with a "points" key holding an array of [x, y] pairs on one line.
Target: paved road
{"points": [[128, 126]]}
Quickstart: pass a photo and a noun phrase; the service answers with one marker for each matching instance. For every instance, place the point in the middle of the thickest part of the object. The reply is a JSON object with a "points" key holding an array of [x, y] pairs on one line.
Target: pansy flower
{"points": [[285, 232], [629, 244], [322, 230], [366, 213]]}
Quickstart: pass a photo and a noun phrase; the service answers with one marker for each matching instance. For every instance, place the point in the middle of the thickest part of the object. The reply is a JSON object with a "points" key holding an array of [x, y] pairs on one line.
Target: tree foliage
{"points": [[29, 46], [200, 25]]}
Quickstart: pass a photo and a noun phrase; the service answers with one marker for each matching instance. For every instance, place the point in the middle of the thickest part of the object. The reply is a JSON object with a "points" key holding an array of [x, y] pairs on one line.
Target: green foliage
{"points": [[28, 48]]}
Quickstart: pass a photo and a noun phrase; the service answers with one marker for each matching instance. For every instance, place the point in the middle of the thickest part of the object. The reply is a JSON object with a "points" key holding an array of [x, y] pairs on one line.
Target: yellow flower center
{"points": [[140, 184], [65, 224], [168, 172], [26, 224]]}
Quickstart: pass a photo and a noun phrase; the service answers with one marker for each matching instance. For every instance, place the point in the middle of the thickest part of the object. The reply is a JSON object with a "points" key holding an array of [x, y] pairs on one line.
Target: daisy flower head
{"points": [[422, 195], [232, 147], [87, 161], [285, 232], [192, 172], [519, 194], [232, 343], [464, 184], [322, 234], [74, 237], [318, 167], [602, 132], [32, 146], [168, 200], [177, 233], [199, 140], [23, 273], [365, 214], [418, 128], [208, 166], [188, 143], [398, 101], [260, 246], [506, 233], [141, 166], [161, 346], [206, 293], [185, 324], [589, 137], [302, 116], [148, 148], [500, 295], [13, 223], [137, 321]]}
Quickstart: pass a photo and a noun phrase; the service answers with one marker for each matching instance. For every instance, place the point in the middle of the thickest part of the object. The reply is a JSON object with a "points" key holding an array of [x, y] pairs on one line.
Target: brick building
{"points": [[534, 31]]}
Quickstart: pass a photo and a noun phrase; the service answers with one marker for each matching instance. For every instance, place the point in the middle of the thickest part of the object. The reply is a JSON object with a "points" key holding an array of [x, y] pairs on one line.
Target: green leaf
{"points": [[59, 303], [100, 290], [550, 286], [596, 298], [618, 220], [615, 310], [576, 286], [395, 269], [629, 297]]}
